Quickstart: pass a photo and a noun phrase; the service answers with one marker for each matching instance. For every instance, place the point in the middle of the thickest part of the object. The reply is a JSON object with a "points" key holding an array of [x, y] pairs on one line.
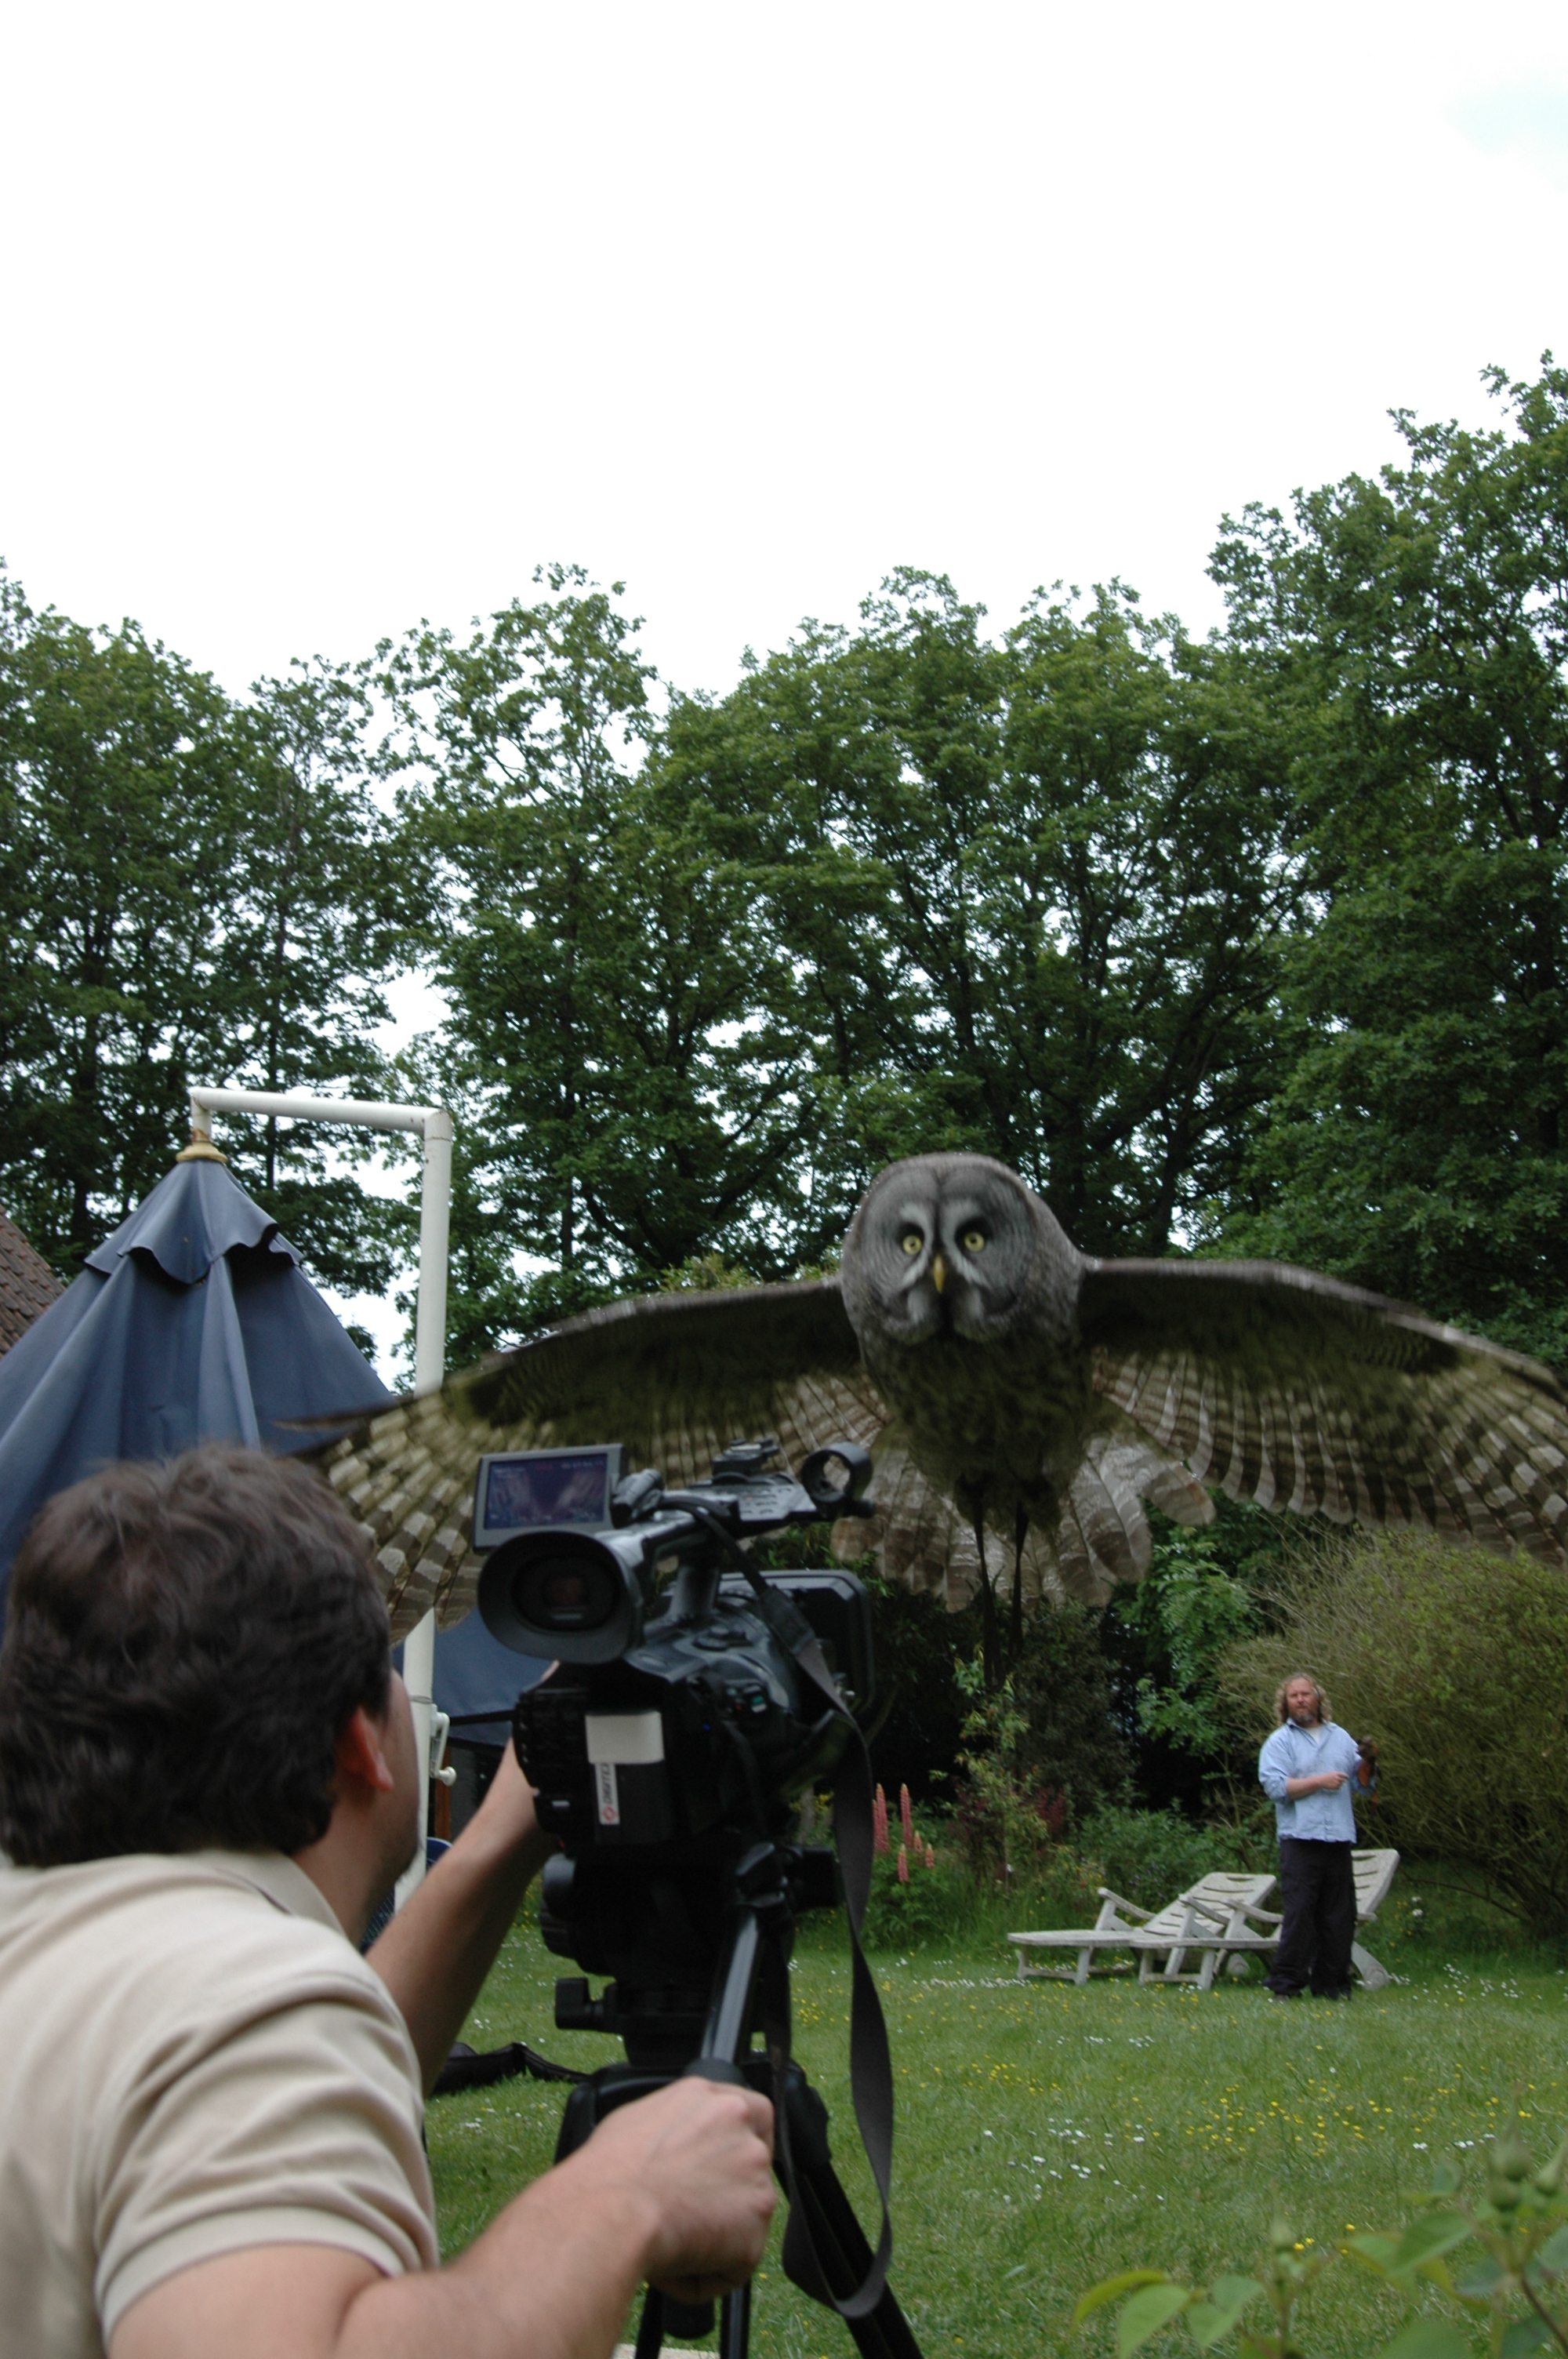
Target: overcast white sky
{"points": [[318, 319]]}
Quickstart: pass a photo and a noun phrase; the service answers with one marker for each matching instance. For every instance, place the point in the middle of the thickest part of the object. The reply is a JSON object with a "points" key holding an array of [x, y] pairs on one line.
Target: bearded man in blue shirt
{"points": [[1309, 1768]]}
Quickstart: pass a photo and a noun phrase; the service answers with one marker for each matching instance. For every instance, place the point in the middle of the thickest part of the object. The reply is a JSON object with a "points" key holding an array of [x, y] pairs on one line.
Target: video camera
{"points": [[679, 1730], [690, 1708]]}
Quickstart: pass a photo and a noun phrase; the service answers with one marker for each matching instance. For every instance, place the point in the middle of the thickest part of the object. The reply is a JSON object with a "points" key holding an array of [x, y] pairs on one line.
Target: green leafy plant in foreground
{"points": [[1512, 2285]]}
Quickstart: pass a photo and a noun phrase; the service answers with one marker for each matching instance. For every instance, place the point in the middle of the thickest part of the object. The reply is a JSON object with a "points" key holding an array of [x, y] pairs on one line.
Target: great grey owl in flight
{"points": [[1021, 1399]]}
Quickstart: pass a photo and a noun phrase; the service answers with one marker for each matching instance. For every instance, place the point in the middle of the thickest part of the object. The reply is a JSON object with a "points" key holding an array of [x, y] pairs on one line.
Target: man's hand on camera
{"points": [[508, 1804], [702, 2151]]}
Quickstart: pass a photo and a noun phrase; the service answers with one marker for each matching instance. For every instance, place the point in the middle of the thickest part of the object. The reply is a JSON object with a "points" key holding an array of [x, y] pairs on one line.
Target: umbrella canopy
{"points": [[193, 1322], [478, 1680]]}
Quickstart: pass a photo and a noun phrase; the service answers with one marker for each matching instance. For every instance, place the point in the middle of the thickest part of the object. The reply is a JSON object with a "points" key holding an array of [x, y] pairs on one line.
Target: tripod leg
{"points": [[735, 2322], [651, 2325]]}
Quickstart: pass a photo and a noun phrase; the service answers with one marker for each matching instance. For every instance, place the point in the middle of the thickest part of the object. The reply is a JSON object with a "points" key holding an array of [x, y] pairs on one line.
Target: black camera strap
{"points": [[870, 2062]]}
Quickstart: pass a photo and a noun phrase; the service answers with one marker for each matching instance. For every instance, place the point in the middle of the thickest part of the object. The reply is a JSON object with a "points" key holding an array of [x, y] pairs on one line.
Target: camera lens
{"points": [[566, 1592], [572, 1595]]}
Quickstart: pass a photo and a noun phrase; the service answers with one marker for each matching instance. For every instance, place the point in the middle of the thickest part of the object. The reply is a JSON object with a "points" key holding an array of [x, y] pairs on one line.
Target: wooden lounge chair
{"points": [[1216, 1914], [1374, 1872], [1221, 1918], [1196, 1918]]}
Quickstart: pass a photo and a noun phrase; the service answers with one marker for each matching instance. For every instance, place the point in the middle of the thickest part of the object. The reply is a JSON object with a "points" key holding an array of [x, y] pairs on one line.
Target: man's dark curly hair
{"points": [[183, 1644]]}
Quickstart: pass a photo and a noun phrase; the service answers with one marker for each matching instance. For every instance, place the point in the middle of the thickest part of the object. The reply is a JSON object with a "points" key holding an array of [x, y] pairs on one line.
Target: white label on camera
{"points": [[630, 1739], [609, 1793]]}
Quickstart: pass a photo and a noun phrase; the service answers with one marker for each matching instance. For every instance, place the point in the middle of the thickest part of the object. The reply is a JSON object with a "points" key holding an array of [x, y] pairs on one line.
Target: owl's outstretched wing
{"points": [[615, 1374], [1306, 1394], [673, 1376]]}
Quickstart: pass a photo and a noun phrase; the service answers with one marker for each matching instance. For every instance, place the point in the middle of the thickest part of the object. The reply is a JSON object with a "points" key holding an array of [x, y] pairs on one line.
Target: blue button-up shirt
{"points": [[1323, 1817]]}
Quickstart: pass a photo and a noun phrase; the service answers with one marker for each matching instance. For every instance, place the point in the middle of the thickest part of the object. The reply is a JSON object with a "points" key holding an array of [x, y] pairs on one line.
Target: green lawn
{"points": [[1048, 2135]]}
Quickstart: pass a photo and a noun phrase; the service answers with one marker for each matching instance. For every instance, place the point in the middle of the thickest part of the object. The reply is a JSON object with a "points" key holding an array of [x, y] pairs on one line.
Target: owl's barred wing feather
{"points": [[923, 1538], [407, 1477], [1306, 1394], [1103, 1538], [673, 1376], [618, 1374]]}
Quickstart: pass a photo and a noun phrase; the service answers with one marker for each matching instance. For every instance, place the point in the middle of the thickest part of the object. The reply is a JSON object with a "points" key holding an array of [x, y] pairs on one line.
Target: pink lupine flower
{"points": [[880, 1821], [906, 1816], [930, 1856], [902, 1864]]}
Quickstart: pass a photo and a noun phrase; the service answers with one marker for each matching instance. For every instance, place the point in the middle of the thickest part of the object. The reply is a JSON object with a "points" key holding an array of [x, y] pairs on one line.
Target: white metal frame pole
{"points": [[434, 1125]]}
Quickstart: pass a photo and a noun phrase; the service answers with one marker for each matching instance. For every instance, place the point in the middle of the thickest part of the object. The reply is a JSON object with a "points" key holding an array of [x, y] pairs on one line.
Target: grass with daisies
{"points": [[1048, 2136]]}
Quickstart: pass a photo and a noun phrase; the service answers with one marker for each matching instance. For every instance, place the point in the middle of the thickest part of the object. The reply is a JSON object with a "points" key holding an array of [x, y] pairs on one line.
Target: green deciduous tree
{"points": [[121, 838], [1030, 891], [1411, 634], [605, 970], [192, 890], [320, 906]]}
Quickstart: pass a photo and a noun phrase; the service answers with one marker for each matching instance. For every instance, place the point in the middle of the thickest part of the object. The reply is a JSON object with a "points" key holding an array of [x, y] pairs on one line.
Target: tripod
{"points": [[828, 2245]]}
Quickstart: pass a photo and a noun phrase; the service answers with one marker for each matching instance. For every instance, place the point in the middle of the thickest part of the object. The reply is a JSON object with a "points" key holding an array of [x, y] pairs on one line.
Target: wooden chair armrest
{"points": [[1213, 1912], [1104, 1892]]}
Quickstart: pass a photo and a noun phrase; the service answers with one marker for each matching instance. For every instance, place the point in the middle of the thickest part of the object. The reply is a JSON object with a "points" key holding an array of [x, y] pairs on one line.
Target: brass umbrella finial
{"points": [[200, 1149]]}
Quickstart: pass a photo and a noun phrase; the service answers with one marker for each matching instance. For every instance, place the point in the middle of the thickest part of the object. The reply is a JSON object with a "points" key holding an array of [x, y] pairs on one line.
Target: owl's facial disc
{"points": [[913, 1272], [947, 1252], [986, 1245]]}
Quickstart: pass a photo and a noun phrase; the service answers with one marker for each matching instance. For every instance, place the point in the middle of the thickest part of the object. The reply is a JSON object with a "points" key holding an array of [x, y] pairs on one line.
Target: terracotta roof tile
{"points": [[28, 1283]]}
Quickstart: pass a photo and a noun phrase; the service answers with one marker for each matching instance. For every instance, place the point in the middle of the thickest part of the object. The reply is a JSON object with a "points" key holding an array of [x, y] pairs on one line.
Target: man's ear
{"points": [[362, 1755]]}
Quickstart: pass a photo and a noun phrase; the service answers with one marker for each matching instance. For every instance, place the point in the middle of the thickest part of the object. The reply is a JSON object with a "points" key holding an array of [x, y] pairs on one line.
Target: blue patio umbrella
{"points": [[193, 1322]]}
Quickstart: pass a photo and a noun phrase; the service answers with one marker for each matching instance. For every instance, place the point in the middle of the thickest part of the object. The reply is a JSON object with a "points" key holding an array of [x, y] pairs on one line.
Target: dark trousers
{"points": [[1318, 1884]]}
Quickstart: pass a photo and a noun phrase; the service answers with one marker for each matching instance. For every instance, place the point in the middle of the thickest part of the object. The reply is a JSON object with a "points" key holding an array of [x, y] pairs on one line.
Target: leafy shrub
{"points": [[984, 1880], [1187, 1611], [946, 1904], [1151, 1855], [1006, 1825], [1069, 1743], [934, 1906]]}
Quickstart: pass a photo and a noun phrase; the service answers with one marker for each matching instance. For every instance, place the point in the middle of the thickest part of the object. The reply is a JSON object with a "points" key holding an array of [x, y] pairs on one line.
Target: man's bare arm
{"points": [[676, 2188], [435, 1954]]}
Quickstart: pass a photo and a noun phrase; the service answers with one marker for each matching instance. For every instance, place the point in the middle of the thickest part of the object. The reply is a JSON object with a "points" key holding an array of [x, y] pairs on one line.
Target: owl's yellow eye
{"points": [[912, 1241], [973, 1241]]}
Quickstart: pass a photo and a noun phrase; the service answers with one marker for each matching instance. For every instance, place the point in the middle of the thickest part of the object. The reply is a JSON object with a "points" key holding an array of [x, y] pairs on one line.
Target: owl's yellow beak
{"points": [[938, 1272]]}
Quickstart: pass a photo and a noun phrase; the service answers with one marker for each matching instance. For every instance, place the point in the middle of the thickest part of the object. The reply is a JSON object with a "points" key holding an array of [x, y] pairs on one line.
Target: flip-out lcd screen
{"points": [[531, 1490]]}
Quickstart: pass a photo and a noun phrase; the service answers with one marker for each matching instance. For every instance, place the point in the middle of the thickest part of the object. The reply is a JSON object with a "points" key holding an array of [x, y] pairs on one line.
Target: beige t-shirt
{"points": [[194, 2059]]}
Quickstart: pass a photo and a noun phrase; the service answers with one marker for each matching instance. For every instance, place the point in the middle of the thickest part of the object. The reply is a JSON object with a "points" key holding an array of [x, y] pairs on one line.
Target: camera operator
{"points": [[211, 2129]]}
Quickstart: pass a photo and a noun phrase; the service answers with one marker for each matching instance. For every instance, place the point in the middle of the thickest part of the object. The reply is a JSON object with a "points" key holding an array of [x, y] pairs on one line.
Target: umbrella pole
{"points": [[433, 1124], [429, 1366]]}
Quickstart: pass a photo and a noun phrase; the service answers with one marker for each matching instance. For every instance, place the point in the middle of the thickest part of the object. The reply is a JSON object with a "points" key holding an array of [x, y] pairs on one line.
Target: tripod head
{"points": [[680, 1925]]}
